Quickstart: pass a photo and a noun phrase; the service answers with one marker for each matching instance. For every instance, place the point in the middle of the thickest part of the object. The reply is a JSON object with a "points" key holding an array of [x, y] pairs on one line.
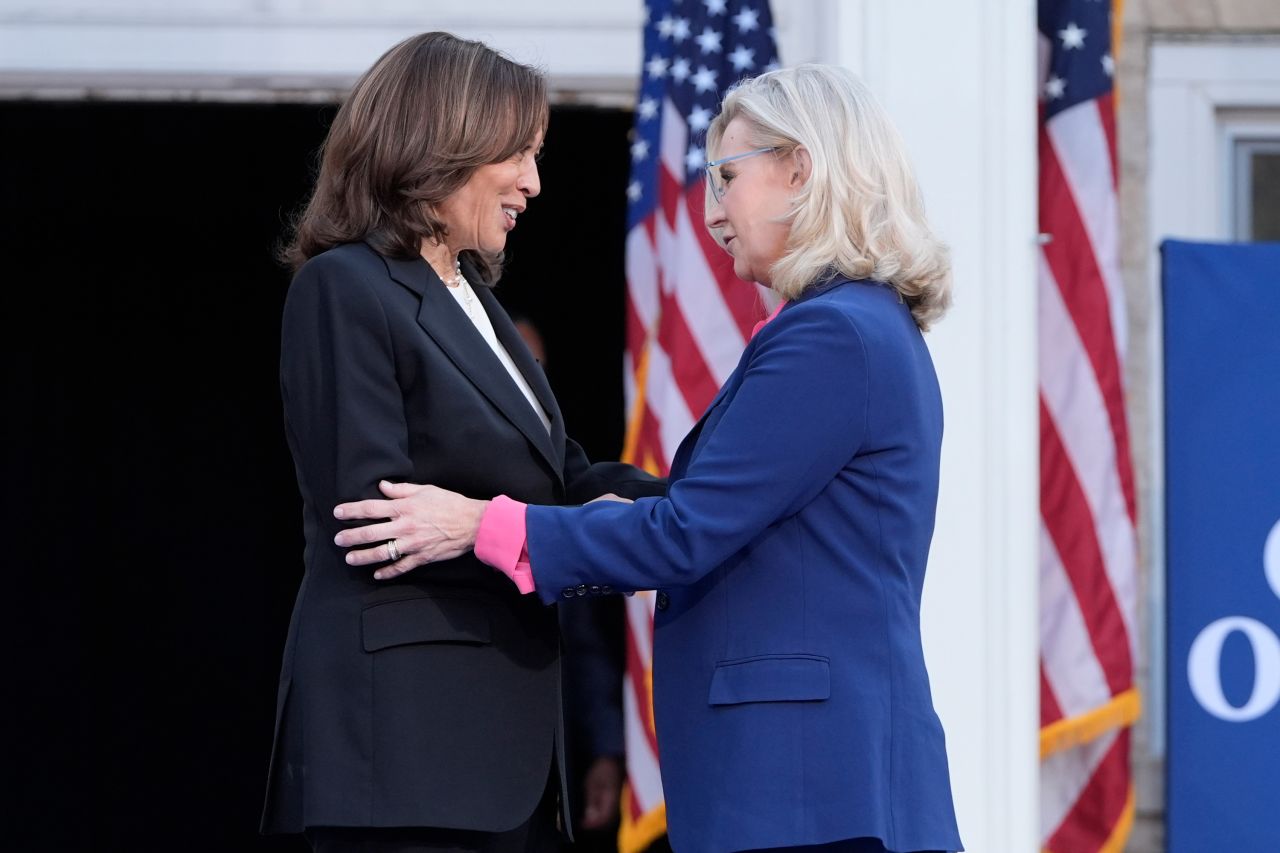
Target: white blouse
{"points": [[470, 305]]}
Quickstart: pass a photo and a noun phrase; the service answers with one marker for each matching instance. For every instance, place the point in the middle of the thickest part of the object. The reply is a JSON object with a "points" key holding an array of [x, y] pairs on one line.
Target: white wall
{"points": [[959, 80], [267, 45]]}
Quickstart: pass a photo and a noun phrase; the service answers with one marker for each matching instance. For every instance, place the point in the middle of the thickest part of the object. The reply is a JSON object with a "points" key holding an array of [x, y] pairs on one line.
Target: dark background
{"points": [[151, 518]]}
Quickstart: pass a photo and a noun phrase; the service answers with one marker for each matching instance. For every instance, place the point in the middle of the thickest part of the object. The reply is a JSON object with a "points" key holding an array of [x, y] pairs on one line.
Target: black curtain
{"points": [[151, 518]]}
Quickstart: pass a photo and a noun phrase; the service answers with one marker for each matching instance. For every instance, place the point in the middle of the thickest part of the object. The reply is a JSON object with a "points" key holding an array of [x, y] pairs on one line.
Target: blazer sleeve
{"points": [[799, 415], [585, 481], [344, 409]]}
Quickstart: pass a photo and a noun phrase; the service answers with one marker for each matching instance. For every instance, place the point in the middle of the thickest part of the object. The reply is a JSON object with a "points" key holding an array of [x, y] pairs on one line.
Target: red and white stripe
{"points": [[688, 320], [1088, 553], [641, 740]]}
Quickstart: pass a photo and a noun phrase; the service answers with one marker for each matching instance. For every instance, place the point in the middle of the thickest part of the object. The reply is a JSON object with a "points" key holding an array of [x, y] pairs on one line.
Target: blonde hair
{"points": [[859, 213]]}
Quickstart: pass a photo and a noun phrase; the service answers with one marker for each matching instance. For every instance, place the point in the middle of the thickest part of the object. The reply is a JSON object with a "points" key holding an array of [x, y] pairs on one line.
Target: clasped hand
{"points": [[426, 524]]}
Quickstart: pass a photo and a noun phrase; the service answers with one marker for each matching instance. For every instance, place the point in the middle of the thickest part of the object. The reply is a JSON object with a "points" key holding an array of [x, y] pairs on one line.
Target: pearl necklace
{"points": [[468, 296]]}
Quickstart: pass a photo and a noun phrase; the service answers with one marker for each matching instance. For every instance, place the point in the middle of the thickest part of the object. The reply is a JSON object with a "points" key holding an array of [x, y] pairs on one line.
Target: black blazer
{"points": [[432, 700]]}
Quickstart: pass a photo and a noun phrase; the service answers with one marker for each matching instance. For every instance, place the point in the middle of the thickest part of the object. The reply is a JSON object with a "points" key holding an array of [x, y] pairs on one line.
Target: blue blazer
{"points": [[790, 694]]}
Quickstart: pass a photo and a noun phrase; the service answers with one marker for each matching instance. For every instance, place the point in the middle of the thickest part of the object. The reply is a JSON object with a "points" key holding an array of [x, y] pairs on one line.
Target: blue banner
{"points": [[1222, 477]]}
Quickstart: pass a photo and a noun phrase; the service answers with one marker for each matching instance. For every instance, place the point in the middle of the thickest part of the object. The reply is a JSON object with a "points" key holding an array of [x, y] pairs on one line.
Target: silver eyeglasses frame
{"points": [[717, 191]]}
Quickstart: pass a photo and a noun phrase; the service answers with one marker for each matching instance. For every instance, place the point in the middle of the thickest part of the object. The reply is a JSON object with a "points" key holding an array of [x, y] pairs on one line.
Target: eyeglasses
{"points": [[713, 179]]}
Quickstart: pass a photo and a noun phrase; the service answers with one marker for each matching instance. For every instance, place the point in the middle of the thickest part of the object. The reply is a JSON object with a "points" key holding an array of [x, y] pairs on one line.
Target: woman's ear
{"points": [[801, 167]]}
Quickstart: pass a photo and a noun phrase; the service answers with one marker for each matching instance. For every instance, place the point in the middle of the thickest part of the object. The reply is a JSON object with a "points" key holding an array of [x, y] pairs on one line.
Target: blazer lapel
{"points": [[680, 461], [683, 455], [533, 373], [443, 319]]}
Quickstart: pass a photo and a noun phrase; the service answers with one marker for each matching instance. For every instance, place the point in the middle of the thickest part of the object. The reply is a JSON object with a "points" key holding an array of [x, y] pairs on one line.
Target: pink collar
{"points": [[762, 323]]}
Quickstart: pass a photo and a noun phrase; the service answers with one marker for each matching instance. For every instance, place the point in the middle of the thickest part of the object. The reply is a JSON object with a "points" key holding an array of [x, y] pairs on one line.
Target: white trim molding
{"points": [[314, 49]]}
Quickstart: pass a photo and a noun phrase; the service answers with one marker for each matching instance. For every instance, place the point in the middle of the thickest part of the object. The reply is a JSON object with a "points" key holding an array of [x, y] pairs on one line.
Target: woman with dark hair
{"points": [[423, 715]]}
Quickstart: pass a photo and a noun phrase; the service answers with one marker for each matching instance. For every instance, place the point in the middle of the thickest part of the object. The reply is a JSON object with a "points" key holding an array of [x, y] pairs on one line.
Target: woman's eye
{"points": [[527, 152]]}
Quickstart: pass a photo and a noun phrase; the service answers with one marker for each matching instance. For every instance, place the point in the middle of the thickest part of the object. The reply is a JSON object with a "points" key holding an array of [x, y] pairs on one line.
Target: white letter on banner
{"points": [[1203, 669], [1271, 559]]}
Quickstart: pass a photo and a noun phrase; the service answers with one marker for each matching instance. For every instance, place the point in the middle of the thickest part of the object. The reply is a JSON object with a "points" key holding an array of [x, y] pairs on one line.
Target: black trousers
{"points": [[536, 835]]}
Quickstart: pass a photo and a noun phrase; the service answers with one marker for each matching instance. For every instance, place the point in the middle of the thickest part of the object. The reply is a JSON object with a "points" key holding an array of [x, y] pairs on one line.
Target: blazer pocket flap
{"points": [[424, 620], [771, 678]]}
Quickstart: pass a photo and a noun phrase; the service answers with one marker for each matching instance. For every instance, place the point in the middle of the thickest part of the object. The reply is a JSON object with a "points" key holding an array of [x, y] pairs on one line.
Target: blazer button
{"points": [[595, 589], [567, 592], [606, 590], [664, 601], [582, 589]]}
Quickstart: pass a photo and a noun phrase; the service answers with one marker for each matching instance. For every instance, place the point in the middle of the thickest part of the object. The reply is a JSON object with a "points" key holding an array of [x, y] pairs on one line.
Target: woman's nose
{"points": [[530, 184], [712, 213]]}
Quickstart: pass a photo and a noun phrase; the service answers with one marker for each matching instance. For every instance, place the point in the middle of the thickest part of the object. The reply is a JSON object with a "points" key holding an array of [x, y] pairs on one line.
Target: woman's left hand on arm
{"points": [[426, 523]]}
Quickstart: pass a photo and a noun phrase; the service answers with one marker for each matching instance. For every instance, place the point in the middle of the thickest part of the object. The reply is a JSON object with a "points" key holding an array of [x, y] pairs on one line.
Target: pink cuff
{"points": [[501, 541]]}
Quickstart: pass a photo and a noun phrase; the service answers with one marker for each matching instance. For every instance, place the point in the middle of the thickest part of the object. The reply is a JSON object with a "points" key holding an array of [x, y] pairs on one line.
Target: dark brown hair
{"points": [[430, 111]]}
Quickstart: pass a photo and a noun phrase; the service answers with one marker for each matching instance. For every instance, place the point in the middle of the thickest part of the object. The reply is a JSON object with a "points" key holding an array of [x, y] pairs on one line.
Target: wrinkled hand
{"points": [[428, 524], [602, 791]]}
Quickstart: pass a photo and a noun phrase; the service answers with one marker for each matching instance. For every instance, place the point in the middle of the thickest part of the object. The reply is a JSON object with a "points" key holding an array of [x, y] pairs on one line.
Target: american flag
{"points": [[688, 316], [1088, 543]]}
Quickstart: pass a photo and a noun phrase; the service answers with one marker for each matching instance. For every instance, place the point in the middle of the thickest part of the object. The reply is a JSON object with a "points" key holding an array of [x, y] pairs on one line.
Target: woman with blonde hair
{"points": [[791, 698]]}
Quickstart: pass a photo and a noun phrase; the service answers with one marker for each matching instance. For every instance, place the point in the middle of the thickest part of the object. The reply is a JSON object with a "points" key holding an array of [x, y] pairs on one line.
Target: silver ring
{"points": [[393, 550]]}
